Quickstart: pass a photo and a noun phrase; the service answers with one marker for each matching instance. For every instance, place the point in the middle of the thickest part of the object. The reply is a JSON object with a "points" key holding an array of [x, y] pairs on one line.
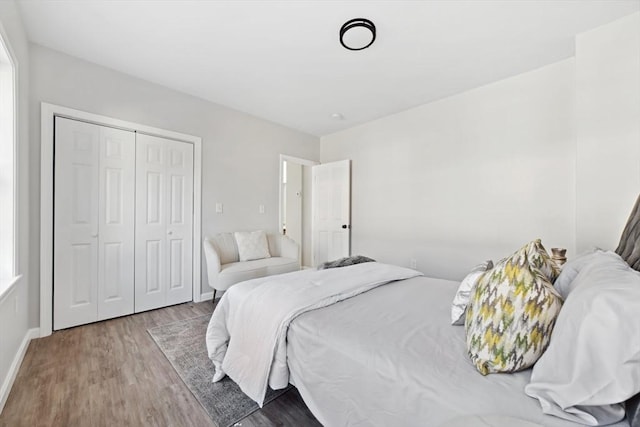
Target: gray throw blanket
{"points": [[343, 262]]}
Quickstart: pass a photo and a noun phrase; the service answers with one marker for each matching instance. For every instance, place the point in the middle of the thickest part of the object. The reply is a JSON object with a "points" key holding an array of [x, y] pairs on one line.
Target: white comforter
{"points": [[390, 357], [246, 337]]}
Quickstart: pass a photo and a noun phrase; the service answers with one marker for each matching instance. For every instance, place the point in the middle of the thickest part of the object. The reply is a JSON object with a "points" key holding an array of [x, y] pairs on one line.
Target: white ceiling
{"points": [[282, 61]]}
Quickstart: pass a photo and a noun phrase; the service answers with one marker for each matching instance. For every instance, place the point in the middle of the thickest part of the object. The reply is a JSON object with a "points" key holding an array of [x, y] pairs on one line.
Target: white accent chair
{"points": [[225, 269]]}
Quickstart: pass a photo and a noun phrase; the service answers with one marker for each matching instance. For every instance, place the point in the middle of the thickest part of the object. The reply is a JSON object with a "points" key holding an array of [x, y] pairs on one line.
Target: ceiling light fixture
{"points": [[357, 34]]}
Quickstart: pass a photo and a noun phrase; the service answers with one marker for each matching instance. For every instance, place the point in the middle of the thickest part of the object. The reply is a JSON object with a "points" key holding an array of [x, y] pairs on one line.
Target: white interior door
{"points": [[93, 223], [331, 211], [164, 222]]}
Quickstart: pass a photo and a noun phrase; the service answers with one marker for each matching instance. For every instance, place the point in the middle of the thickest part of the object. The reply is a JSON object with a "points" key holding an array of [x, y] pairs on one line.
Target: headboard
{"points": [[629, 246], [629, 250]]}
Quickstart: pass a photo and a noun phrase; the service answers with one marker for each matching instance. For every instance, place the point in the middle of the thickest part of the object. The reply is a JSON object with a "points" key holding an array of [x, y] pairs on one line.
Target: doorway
{"points": [[295, 203]]}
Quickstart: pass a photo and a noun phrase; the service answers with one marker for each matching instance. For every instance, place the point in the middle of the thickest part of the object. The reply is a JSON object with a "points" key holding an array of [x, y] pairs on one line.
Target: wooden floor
{"points": [[112, 373]]}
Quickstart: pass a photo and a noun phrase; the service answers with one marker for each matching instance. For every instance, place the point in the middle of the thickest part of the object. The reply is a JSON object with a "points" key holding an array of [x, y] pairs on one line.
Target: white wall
{"points": [[552, 153], [608, 130], [467, 178], [14, 334], [240, 153]]}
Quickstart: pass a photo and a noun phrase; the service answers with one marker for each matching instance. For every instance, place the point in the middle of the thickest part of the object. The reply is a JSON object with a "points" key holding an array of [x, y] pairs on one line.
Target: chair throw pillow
{"points": [[461, 300], [512, 311], [252, 245]]}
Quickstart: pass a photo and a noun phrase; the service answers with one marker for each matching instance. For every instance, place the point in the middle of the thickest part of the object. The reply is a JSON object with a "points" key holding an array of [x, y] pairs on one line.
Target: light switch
{"points": [[218, 207], [261, 209]]}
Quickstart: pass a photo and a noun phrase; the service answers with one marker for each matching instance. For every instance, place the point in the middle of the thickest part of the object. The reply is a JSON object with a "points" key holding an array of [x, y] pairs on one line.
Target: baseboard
{"points": [[15, 365], [206, 296]]}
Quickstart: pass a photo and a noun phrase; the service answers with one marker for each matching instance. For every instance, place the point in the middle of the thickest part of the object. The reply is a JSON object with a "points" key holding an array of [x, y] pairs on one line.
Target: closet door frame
{"points": [[48, 113]]}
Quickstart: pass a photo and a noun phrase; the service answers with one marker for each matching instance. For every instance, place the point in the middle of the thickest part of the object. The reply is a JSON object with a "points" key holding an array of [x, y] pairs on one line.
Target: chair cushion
{"points": [[240, 271]]}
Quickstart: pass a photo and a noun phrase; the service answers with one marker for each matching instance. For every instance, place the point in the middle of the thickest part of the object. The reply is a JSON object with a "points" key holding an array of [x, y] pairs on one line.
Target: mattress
{"points": [[390, 357]]}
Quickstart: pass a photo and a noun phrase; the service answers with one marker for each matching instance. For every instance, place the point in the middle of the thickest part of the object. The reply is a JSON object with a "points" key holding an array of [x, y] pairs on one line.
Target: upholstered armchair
{"points": [[225, 266]]}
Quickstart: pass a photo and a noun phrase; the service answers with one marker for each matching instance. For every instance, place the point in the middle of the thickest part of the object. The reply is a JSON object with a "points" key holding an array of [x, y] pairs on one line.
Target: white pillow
{"points": [[593, 359], [461, 300], [252, 245], [571, 269]]}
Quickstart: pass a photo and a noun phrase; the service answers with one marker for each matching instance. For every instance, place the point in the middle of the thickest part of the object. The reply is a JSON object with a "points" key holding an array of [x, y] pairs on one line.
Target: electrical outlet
{"points": [[218, 207], [413, 263], [261, 209]]}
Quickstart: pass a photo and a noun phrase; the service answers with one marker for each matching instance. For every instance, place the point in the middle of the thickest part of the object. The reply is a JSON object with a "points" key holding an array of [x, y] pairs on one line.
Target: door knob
{"points": [[345, 226], [169, 233]]}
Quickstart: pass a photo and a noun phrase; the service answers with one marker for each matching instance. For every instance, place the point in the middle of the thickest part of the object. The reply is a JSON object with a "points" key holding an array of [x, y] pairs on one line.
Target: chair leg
{"points": [[214, 296]]}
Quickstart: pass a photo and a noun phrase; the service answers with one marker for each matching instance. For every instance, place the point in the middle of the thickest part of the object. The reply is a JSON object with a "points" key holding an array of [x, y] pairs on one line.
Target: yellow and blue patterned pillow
{"points": [[512, 311]]}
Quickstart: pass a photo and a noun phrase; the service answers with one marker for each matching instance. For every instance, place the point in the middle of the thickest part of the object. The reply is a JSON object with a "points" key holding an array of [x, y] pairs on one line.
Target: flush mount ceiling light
{"points": [[357, 34]]}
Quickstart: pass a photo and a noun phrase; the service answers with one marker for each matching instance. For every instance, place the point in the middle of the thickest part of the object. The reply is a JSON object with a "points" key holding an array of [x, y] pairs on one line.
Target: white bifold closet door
{"points": [[93, 262], [164, 222]]}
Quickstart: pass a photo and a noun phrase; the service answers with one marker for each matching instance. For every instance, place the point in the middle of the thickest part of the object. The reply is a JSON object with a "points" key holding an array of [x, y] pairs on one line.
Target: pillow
{"points": [[252, 245], [512, 311], [571, 269], [343, 262], [593, 360], [540, 260], [460, 301]]}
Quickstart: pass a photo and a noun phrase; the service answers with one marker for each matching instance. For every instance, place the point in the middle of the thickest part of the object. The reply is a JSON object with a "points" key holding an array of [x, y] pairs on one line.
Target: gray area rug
{"points": [[183, 343]]}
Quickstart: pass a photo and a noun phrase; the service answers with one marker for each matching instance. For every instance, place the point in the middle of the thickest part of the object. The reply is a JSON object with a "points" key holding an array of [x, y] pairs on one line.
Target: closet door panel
{"points": [[75, 223], [180, 221], [150, 266], [116, 223], [164, 222]]}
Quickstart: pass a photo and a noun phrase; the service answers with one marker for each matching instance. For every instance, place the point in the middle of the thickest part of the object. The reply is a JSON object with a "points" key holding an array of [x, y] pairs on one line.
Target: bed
{"points": [[380, 355], [397, 360]]}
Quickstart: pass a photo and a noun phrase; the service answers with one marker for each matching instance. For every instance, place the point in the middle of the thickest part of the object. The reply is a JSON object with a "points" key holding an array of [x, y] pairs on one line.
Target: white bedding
{"points": [[247, 331], [390, 357]]}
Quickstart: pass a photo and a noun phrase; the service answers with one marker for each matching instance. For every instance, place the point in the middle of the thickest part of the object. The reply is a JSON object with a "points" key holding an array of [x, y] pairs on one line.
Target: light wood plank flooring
{"points": [[111, 373]]}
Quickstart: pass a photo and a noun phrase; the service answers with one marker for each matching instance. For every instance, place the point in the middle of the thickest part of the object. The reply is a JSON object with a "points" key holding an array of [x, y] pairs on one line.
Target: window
{"points": [[7, 166]]}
